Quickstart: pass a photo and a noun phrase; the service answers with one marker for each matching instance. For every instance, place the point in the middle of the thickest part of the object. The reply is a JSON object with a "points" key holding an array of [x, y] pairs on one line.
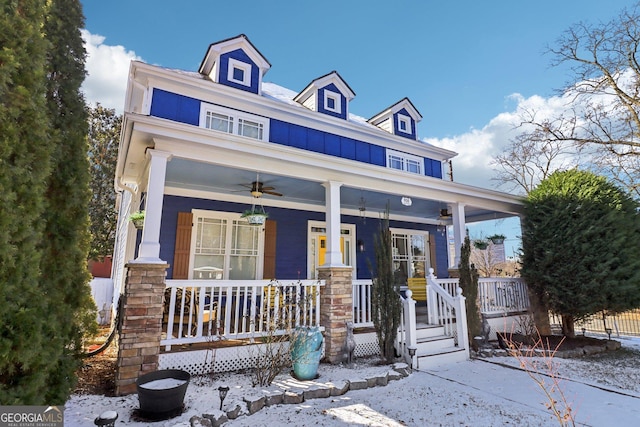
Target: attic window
{"points": [[404, 162], [404, 123], [239, 72], [332, 102]]}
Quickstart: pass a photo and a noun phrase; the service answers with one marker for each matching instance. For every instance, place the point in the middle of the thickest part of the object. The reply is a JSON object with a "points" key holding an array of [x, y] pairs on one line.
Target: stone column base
{"points": [[336, 309], [141, 330]]}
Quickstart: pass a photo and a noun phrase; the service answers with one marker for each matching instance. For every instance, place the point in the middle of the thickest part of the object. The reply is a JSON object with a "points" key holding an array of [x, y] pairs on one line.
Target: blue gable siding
{"points": [[334, 145], [396, 125], [343, 102], [291, 237], [168, 105], [241, 56], [184, 109]]}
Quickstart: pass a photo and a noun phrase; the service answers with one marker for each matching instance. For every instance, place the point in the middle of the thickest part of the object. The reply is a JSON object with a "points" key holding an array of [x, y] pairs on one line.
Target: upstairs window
{"points": [[232, 121], [404, 123], [239, 72], [332, 101], [404, 162]]}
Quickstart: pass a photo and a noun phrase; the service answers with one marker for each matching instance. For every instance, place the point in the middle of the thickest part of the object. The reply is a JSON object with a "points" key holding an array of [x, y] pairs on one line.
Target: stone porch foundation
{"points": [[336, 308], [141, 330]]}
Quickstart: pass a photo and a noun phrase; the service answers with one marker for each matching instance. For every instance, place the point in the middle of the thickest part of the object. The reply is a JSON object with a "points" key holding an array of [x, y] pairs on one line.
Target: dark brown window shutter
{"points": [[269, 262], [183, 246], [432, 254]]}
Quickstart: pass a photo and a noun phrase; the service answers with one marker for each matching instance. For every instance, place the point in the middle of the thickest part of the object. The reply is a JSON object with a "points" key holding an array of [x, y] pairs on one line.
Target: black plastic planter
{"points": [[161, 393]]}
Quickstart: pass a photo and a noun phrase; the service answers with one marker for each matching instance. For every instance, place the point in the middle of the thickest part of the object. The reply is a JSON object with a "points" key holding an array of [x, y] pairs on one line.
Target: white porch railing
{"points": [[207, 310], [502, 295], [362, 303], [443, 309]]}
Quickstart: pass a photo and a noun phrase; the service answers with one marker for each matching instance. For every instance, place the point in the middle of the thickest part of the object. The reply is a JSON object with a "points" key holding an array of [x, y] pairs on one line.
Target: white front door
{"points": [[317, 246]]}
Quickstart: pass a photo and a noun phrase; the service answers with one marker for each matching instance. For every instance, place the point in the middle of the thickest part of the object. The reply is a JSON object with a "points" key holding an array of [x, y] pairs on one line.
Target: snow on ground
{"points": [[604, 390]]}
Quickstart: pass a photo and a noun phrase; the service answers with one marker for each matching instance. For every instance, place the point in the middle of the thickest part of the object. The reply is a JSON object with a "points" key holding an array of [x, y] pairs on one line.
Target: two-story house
{"points": [[199, 148]]}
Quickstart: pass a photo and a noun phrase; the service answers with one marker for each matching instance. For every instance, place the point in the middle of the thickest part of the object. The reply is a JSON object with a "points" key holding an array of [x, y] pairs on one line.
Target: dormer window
{"points": [[239, 72], [404, 123], [332, 101]]}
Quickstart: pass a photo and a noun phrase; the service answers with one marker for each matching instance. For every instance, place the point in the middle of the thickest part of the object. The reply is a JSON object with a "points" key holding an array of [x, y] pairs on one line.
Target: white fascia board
{"points": [[203, 145], [217, 94]]}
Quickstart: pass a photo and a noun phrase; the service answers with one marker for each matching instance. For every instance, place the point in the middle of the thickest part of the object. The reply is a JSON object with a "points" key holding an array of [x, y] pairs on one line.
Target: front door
{"points": [[318, 246]]}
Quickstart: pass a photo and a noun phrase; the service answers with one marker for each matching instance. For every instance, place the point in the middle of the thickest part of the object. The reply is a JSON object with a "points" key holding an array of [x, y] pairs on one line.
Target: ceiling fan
{"points": [[257, 189]]}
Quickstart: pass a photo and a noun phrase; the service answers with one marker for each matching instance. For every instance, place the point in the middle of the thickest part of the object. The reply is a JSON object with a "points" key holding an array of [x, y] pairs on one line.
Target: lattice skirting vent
{"points": [[230, 359]]}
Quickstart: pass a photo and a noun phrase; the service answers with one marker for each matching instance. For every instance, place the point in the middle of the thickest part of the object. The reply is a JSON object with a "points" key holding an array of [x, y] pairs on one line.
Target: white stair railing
{"points": [[447, 310], [407, 334]]}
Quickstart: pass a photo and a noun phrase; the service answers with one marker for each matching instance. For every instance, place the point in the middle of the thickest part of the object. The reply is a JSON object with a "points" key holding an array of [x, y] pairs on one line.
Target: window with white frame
{"points": [[410, 254], [332, 101], [404, 123], [404, 162], [232, 121], [224, 246], [239, 72]]}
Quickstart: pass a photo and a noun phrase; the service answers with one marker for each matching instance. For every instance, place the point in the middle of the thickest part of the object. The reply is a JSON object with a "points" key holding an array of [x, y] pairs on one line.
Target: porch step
{"points": [[433, 344], [424, 330], [444, 356]]}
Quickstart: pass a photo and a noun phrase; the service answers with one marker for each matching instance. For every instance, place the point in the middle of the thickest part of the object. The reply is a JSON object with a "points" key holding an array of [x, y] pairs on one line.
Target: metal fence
{"points": [[627, 323]]}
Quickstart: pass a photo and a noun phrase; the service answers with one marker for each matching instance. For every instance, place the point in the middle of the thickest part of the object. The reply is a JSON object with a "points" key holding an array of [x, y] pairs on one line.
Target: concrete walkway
{"points": [[594, 405]]}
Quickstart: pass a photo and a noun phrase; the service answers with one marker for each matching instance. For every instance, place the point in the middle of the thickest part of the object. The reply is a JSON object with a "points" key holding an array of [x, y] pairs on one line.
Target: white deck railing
{"points": [[207, 310], [362, 303], [502, 295]]}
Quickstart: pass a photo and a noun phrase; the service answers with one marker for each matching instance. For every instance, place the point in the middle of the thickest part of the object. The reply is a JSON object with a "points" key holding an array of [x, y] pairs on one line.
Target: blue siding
{"points": [[239, 55], [184, 109], [396, 125], [343, 102], [291, 238], [179, 108]]}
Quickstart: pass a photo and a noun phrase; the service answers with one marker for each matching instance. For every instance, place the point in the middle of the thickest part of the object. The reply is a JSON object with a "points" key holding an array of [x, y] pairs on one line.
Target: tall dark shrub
{"points": [[104, 135], [581, 240], [24, 166], [385, 300], [65, 278], [469, 284]]}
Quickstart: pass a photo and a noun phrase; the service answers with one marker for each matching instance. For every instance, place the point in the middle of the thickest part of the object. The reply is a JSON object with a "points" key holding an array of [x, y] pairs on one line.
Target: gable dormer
{"points": [[328, 94], [399, 119], [235, 62]]}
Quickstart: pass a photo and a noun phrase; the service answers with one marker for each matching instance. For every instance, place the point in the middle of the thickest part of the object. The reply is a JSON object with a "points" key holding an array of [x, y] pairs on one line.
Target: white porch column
{"points": [[459, 230], [333, 256], [149, 249]]}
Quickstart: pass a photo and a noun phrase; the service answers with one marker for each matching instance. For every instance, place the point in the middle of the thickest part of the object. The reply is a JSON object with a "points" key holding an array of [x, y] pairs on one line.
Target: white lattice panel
{"points": [[230, 359], [366, 345]]}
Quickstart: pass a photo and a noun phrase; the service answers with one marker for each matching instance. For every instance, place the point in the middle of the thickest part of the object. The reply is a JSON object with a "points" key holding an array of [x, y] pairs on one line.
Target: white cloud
{"points": [[107, 70], [478, 147]]}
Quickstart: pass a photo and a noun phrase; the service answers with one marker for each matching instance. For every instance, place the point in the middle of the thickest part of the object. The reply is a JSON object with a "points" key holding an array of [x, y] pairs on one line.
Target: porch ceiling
{"points": [[217, 179]]}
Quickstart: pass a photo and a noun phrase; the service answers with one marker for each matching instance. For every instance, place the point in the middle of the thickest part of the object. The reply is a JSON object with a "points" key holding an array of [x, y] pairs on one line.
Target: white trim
{"points": [[244, 67], [407, 162], [427, 248], [337, 101], [407, 122], [237, 119], [311, 235], [193, 85], [229, 217]]}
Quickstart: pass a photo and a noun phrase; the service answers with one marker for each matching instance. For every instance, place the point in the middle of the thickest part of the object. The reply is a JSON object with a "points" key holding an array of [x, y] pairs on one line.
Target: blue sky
{"points": [[468, 66]]}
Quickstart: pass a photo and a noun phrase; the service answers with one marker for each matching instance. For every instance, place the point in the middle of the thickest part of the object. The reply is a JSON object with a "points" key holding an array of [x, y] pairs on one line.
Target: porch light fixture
{"points": [[406, 201], [360, 245], [362, 207], [412, 353], [223, 390]]}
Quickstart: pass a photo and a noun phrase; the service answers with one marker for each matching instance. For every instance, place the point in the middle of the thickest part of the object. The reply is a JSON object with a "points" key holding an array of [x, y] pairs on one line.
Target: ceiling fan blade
{"points": [[273, 193]]}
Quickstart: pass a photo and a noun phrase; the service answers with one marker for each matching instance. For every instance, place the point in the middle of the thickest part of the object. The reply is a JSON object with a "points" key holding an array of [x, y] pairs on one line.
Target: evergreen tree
{"points": [[469, 284], [385, 300], [25, 150], [580, 241], [65, 278], [104, 135]]}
